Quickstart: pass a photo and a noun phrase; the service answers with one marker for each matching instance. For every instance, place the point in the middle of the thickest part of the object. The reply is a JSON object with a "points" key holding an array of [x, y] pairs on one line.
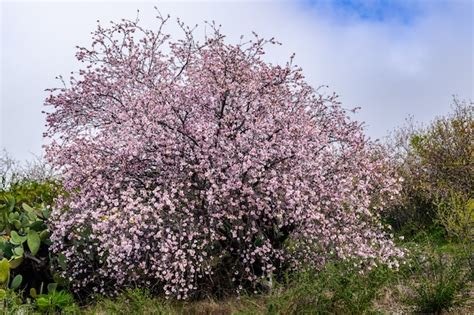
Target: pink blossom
{"points": [[176, 155]]}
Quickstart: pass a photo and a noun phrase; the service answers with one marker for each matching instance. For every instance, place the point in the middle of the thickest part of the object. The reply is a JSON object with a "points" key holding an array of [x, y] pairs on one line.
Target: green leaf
{"points": [[62, 261], [52, 287], [3, 293], [12, 217], [46, 213], [16, 239], [44, 235], [42, 303], [27, 208], [33, 293], [32, 216], [38, 226], [33, 241], [15, 262], [63, 282], [4, 270], [11, 203], [16, 223], [19, 251], [16, 282], [25, 221]]}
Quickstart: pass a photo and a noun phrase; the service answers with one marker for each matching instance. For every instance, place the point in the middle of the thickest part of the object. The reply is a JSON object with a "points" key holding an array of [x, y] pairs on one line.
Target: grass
{"points": [[140, 302], [336, 289], [436, 278], [439, 278]]}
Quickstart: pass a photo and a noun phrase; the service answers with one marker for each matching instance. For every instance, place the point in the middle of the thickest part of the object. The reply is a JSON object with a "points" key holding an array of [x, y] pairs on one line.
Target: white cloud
{"points": [[389, 68]]}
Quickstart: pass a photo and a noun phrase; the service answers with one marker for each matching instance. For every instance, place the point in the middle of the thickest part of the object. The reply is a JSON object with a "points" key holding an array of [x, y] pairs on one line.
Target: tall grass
{"points": [[438, 281], [339, 288]]}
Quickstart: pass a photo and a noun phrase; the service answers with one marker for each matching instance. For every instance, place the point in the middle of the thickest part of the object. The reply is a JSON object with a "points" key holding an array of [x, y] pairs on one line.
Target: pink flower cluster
{"points": [[186, 161]]}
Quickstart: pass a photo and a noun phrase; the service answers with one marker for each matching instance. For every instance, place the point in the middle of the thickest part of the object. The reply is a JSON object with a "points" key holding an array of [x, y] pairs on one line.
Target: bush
{"points": [[338, 289], [12, 171], [456, 213], [11, 302], [56, 302], [205, 170], [436, 164], [24, 242], [441, 282], [134, 302]]}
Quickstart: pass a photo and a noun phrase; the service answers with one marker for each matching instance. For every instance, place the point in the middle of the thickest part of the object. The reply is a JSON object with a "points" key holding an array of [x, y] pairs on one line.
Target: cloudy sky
{"points": [[392, 58]]}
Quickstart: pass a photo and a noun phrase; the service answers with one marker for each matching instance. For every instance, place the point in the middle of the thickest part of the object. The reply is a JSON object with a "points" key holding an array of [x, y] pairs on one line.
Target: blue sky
{"points": [[391, 58], [403, 11]]}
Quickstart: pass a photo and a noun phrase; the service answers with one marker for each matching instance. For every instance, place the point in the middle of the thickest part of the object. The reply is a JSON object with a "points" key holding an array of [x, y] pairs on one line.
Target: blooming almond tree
{"points": [[195, 168]]}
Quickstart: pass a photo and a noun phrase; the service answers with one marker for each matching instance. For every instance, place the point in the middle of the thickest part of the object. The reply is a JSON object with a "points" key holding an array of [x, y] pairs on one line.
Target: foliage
{"points": [[5, 276], [132, 302], [445, 150], [12, 171], [441, 282], [338, 289], [456, 213], [24, 237], [191, 166], [436, 163], [56, 301], [11, 302]]}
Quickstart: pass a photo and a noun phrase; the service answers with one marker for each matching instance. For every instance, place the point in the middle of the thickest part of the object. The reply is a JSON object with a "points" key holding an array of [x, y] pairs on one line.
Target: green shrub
{"points": [[131, 302], [456, 213], [438, 282], [11, 302], [432, 235], [56, 301], [339, 288], [436, 163], [24, 234]]}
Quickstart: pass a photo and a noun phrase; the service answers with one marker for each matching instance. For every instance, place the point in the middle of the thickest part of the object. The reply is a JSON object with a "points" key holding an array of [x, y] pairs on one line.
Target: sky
{"points": [[391, 58]]}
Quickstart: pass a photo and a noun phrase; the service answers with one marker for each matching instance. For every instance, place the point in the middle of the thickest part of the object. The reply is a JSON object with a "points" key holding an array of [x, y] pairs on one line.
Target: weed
{"points": [[438, 282]]}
